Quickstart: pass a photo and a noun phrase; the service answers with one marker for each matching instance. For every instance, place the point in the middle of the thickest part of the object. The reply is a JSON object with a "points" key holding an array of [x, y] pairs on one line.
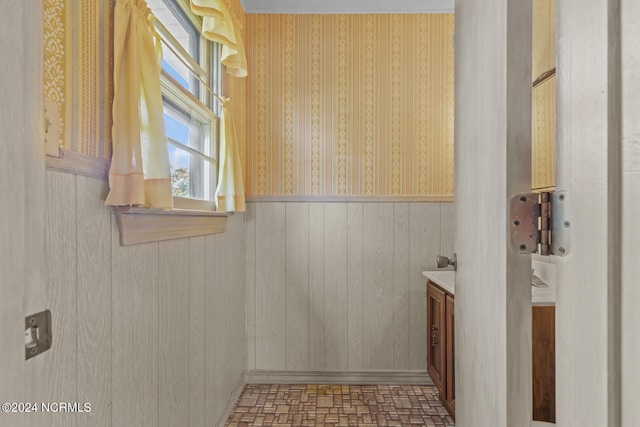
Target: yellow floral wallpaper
{"points": [[55, 59], [334, 105], [77, 73], [350, 106], [78, 67], [543, 135]]}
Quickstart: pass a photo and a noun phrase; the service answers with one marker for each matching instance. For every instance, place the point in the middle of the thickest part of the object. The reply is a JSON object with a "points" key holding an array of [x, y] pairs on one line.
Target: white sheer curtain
{"points": [[230, 190], [140, 173]]}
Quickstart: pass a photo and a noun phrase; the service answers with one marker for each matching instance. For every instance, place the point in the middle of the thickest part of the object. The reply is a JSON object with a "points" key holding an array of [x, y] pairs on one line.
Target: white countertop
{"points": [[547, 272], [444, 278], [539, 296]]}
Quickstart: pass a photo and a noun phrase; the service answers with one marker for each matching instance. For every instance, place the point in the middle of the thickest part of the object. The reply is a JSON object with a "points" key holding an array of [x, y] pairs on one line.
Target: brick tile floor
{"points": [[302, 405]]}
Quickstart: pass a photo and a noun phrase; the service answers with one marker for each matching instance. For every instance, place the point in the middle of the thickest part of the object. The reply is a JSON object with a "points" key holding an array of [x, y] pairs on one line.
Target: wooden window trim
{"points": [[80, 164], [189, 218], [144, 225]]}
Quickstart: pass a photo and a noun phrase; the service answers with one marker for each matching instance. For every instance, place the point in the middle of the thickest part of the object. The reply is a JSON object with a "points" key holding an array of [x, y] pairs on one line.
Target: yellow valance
{"points": [[219, 25]]}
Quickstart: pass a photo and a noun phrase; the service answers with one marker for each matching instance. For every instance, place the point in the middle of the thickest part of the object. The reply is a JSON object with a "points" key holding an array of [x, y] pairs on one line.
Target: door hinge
{"points": [[539, 223]]}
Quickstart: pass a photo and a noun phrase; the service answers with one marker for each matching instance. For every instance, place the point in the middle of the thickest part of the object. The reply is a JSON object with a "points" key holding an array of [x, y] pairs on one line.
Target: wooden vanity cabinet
{"points": [[436, 320], [543, 339], [441, 352], [450, 401], [440, 343]]}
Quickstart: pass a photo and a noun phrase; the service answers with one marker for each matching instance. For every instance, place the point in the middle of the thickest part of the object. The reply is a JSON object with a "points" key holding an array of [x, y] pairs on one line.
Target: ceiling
{"points": [[348, 6]]}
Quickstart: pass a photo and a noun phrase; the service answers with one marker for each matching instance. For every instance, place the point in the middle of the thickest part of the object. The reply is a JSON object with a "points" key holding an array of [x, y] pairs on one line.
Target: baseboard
{"points": [[231, 402], [337, 377]]}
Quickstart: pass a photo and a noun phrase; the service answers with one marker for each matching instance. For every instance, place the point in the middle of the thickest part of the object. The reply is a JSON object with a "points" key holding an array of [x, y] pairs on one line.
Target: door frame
{"points": [[23, 279], [598, 168], [492, 163], [589, 153]]}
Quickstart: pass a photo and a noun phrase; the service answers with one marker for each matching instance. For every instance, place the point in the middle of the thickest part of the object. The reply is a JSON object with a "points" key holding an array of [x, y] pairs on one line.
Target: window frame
{"points": [[171, 90], [204, 104], [189, 217]]}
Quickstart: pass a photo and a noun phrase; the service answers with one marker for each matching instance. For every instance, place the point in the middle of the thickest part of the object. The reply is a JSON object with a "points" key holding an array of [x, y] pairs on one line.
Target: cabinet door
{"points": [[450, 402], [543, 339], [436, 350]]}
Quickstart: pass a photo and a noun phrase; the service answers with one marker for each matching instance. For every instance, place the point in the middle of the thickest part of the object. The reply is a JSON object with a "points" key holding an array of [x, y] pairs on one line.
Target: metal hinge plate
{"points": [[539, 223]]}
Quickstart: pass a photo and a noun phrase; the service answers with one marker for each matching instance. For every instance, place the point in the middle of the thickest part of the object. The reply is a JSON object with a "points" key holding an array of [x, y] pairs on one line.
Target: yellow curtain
{"points": [[139, 173], [230, 189], [219, 25]]}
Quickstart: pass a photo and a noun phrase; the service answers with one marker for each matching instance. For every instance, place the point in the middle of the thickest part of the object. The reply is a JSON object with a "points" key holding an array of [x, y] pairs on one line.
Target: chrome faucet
{"points": [[444, 262]]}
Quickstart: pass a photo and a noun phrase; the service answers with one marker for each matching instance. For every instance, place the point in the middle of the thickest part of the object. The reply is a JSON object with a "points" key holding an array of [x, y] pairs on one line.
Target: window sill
{"points": [[144, 225]]}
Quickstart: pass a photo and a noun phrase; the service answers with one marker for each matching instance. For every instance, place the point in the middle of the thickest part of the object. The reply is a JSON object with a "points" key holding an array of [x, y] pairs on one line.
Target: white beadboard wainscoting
{"points": [[338, 286], [151, 334]]}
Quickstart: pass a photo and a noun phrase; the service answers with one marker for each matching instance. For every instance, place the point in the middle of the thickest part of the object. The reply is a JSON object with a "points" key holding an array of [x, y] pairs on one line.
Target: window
{"points": [[190, 67]]}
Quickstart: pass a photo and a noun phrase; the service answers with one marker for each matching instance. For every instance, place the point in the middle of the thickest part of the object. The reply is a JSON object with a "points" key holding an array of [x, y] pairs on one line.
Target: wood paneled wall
{"points": [[338, 286], [150, 335], [350, 105], [630, 270]]}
